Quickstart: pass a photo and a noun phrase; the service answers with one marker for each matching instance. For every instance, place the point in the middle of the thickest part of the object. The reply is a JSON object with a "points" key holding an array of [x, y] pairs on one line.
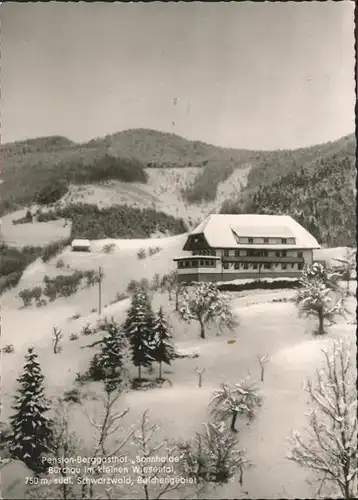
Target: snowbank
{"points": [[192, 352]]}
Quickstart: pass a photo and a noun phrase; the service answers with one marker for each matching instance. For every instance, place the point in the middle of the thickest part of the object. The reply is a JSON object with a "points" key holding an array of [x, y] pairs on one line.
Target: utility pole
{"points": [[99, 290]]}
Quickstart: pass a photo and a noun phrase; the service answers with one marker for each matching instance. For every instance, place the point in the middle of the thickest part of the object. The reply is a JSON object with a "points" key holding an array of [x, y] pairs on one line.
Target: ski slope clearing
{"points": [[163, 192]]}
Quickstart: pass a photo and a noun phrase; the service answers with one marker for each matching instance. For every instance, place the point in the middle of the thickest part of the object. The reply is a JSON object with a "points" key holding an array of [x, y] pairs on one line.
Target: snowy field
{"points": [[293, 356], [264, 328], [32, 234]]}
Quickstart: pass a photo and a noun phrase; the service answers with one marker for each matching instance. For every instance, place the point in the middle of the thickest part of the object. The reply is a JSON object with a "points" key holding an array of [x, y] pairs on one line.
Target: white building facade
{"points": [[228, 247]]}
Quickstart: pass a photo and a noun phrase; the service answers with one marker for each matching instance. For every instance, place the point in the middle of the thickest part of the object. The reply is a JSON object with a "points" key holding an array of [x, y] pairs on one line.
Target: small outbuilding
{"points": [[81, 246]]}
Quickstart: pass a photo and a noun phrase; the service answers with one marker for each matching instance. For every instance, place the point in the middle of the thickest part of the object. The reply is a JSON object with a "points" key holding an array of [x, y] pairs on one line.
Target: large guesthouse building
{"points": [[228, 247]]}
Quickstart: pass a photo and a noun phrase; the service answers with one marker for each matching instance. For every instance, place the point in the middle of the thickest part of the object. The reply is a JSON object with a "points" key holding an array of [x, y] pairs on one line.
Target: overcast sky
{"points": [[253, 75]]}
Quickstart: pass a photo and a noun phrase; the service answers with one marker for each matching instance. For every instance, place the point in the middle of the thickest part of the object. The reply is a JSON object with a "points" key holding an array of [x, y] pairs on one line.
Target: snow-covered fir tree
{"points": [[32, 433], [111, 362], [164, 349], [138, 328]]}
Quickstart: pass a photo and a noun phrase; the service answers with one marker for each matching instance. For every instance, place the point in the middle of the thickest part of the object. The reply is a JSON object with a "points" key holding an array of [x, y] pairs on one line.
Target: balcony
{"points": [[263, 260]]}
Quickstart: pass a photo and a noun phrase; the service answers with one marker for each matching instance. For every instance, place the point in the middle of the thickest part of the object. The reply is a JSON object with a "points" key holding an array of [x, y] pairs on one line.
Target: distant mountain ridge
{"points": [[159, 148], [38, 144], [131, 155]]}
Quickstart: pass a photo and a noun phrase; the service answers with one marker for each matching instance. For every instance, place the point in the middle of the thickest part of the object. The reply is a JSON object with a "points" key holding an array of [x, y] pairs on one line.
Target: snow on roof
{"points": [[81, 243], [280, 231], [219, 229]]}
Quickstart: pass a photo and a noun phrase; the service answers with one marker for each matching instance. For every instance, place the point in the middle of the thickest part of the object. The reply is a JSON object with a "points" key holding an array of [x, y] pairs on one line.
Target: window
{"points": [[246, 265], [283, 253], [284, 241], [251, 240], [201, 262], [277, 254], [180, 264], [299, 254], [226, 265], [237, 265], [265, 253], [266, 240], [267, 265], [207, 263], [293, 265], [226, 253], [300, 266], [254, 266], [284, 266], [237, 253]]}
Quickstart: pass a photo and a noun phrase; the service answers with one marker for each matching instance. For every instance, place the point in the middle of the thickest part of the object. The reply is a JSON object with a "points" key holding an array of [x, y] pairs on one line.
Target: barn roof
{"points": [[220, 229]]}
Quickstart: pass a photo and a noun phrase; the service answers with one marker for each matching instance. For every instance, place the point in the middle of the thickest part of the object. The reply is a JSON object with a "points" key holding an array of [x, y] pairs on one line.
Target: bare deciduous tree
{"points": [[107, 444], [318, 300], [171, 284], [212, 457], [200, 375], [349, 264], [241, 399], [262, 362], [105, 434], [206, 305], [65, 444], [158, 460], [57, 336], [329, 448]]}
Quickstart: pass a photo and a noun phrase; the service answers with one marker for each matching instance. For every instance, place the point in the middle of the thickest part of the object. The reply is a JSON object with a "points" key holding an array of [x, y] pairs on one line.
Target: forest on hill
{"points": [[34, 164], [37, 145], [120, 221], [29, 177], [157, 149], [266, 167], [320, 195], [41, 170]]}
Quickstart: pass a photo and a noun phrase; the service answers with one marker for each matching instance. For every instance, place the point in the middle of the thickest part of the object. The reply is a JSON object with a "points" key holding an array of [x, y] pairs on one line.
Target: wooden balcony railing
{"points": [[263, 260]]}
